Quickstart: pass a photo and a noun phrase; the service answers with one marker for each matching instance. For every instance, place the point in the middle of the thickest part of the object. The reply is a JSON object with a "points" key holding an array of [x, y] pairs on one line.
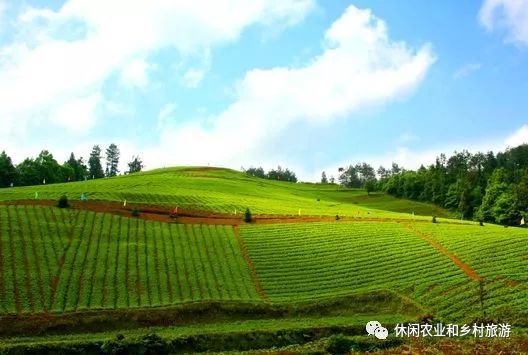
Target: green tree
{"points": [[324, 179], [8, 173], [257, 172], [95, 169], [370, 185], [48, 168], [79, 169], [112, 160], [28, 173], [135, 165]]}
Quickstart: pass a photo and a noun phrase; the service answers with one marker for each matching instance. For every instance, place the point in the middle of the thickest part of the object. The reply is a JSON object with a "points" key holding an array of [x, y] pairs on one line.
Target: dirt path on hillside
{"points": [[468, 270], [190, 216], [251, 266]]}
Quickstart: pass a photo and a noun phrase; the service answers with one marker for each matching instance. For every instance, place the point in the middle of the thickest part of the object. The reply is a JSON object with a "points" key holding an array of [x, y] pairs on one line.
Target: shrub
{"points": [[338, 344], [115, 346], [154, 344], [135, 212], [63, 202], [247, 216]]}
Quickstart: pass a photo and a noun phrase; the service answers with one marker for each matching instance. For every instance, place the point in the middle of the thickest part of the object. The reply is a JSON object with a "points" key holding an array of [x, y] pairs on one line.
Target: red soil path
{"points": [[468, 270], [249, 262], [189, 216]]}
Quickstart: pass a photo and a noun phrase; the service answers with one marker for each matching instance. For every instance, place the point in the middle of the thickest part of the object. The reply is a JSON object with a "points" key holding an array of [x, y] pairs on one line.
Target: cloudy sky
{"points": [[307, 84]]}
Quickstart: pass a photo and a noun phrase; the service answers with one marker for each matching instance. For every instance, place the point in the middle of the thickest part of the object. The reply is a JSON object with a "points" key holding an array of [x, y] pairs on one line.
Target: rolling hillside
{"points": [[227, 191], [98, 270]]}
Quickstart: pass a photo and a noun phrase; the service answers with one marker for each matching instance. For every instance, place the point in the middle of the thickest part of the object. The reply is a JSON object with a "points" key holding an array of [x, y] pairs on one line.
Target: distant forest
{"points": [[480, 186], [45, 169], [273, 174]]}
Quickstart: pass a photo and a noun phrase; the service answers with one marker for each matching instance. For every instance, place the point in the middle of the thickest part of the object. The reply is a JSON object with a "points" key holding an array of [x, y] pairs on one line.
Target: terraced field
{"points": [[103, 271], [63, 261], [324, 260], [227, 191], [499, 255]]}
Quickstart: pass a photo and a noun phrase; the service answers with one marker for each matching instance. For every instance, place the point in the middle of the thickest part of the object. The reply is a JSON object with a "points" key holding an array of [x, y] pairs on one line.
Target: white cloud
{"points": [[135, 73], [64, 54], [466, 70], [193, 77], [360, 66], [519, 137], [78, 114], [509, 15], [165, 115]]}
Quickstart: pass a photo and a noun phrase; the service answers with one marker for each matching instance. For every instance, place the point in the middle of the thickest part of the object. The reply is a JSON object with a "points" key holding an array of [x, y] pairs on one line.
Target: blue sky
{"points": [[312, 85]]}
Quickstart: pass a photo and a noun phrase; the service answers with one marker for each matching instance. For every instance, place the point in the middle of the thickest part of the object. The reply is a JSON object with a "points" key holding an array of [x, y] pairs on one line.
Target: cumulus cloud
{"points": [[78, 114], [519, 137], [136, 73], [66, 55], [358, 67], [508, 15]]}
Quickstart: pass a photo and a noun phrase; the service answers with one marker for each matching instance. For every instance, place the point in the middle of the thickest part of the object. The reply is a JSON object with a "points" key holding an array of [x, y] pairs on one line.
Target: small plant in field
{"points": [[427, 319], [115, 346], [135, 212], [247, 216], [434, 219], [338, 344], [63, 202]]}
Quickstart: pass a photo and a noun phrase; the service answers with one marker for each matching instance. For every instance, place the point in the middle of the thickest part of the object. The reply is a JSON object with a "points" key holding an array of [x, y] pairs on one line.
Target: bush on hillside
{"points": [[247, 216], [63, 202], [338, 344]]}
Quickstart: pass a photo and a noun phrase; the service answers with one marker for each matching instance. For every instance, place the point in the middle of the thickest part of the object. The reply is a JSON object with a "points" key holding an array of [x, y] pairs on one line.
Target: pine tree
{"points": [[112, 160], [324, 180], [95, 169]]}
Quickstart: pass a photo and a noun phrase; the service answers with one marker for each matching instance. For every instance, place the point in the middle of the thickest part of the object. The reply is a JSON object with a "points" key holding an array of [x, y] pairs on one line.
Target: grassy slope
{"points": [[293, 261], [310, 261], [224, 190]]}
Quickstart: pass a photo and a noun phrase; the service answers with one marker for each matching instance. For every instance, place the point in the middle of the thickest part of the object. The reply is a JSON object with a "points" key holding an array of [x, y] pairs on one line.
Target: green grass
{"points": [[236, 327], [227, 191]]}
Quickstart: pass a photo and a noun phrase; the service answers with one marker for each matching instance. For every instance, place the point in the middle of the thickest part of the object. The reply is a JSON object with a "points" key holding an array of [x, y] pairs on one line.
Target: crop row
{"points": [[320, 260], [499, 255], [56, 260]]}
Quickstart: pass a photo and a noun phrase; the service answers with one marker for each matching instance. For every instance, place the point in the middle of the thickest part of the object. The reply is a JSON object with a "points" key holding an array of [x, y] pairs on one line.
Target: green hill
{"points": [[65, 271], [226, 191]]}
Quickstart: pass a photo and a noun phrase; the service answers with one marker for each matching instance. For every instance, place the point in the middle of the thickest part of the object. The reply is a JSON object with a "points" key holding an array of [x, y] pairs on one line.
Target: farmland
{"points": [[60, 261], [227, 191], [98, 272]]}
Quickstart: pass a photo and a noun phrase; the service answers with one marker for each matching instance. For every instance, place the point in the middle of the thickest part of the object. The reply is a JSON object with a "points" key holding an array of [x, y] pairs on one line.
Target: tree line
{"points": [[273, 174], [45, 169], [482, 186]]}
